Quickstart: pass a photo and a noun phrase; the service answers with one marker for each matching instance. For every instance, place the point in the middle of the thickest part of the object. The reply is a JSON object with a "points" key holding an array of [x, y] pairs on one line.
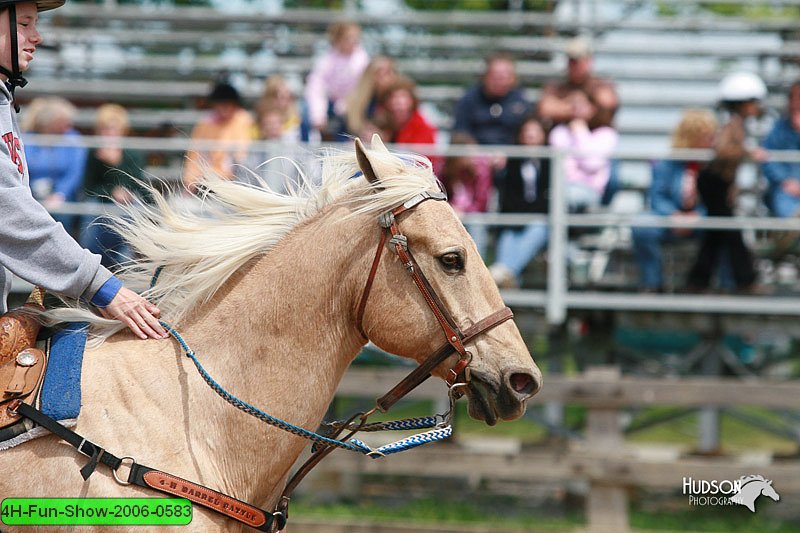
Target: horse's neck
{"points": [[281, 334], [752, 489]]}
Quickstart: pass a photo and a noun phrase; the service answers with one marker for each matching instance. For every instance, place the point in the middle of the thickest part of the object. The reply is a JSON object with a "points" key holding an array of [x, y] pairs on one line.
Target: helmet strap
{"points": [[15, 78]]}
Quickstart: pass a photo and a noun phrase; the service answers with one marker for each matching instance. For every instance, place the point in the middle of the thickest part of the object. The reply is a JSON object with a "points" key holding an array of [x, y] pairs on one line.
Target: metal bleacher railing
{"points": [[558, 297]]}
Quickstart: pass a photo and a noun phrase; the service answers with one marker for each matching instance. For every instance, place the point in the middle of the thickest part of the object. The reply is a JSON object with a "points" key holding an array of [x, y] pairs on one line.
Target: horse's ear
{"points": [[364, 163], [377, 143]]}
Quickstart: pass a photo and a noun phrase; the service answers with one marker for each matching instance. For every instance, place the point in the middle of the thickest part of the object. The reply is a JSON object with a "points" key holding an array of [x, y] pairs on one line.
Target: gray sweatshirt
{"points": [[33, 245]]}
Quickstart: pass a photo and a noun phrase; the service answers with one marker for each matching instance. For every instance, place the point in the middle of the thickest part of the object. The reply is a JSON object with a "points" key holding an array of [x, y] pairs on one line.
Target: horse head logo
{"points": [[751, 488]]}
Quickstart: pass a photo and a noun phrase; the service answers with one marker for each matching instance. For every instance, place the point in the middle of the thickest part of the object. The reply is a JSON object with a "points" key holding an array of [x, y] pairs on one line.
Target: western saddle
{"points": [[22, 365]]}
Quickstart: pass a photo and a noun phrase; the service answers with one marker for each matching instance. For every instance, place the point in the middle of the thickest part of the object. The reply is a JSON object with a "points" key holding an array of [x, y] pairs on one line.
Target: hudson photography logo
{"points": [[743, 491]]}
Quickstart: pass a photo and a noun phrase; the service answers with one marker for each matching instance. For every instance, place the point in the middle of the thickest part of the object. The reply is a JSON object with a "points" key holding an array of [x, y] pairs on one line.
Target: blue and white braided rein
{"points": [[441, 430]]}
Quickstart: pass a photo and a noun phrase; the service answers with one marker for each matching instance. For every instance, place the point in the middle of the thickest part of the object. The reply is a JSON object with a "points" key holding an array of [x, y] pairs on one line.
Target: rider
{"points": [[32, 244]]}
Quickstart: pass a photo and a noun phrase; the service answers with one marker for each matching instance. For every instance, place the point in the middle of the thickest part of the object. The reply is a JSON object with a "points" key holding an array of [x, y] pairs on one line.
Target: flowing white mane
{"points": [[197, 251]]}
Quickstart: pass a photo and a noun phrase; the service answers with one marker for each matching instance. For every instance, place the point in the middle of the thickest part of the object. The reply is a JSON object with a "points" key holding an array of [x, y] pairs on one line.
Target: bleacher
{"points": [[157, 57], [158, 61]]}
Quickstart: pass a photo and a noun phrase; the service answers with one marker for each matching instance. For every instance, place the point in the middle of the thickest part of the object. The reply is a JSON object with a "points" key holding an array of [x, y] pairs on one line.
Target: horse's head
{"points": [[769, 491], [398, 315]]}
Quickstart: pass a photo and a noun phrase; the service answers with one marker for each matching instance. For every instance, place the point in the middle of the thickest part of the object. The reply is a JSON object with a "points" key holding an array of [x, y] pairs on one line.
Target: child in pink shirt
{"points": [[588, 164], [334, 76]]}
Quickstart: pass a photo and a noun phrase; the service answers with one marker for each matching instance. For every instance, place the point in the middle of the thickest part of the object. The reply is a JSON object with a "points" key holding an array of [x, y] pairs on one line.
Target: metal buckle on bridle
{"points": [[400, 239], [461, 366], [454, 392], [424, 195], [386, 219]]}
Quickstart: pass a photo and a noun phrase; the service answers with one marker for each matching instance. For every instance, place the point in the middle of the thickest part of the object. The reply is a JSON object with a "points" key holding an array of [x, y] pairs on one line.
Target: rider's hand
{"points": [[137, 313]]}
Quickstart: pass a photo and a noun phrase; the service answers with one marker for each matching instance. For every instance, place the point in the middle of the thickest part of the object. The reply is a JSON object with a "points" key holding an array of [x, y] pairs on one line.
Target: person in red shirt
{"points": [[403, 119]]}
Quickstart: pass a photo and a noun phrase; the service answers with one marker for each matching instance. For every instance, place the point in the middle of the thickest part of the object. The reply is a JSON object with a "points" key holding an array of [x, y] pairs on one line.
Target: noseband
{"points": [[456, 338]]}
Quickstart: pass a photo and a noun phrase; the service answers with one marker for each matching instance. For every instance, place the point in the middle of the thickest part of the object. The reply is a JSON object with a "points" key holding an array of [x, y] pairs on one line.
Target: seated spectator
{"points": [[404, 123], [363, 104], [590, 145], [56, 170], [278, 96], [673, 193], [230, 126], [333, 77], [740, 95], [524, 187], [492, 111], [111, 174], [569, 99], [783, 177], [468, 181]]}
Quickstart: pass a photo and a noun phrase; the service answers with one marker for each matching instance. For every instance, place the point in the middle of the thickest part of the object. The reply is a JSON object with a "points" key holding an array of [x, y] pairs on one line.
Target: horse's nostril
{"points": [[523, 383]]}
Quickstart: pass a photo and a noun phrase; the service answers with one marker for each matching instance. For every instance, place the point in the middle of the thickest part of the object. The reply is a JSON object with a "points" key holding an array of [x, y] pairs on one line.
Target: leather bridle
{"points": [[456, 338]]}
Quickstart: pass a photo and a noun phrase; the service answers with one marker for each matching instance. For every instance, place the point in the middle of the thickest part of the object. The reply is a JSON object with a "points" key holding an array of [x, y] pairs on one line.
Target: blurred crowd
{"points": [[350, 94]]}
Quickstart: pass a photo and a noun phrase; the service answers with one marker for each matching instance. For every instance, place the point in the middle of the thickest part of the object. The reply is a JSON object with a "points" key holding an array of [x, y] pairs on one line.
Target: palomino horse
{"points": [[267, 292]]}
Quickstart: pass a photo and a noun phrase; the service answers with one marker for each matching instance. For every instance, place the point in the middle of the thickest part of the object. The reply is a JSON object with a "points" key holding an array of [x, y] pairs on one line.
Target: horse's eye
{"points": [[452, 261]]}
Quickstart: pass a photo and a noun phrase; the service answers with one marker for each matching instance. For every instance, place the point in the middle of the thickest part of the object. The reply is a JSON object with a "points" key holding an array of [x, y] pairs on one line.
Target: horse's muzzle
{"points": [[493, 398]]}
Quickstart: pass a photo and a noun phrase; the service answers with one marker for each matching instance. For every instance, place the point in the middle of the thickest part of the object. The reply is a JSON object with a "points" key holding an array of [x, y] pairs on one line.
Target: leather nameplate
{"points": [[230, 507]]}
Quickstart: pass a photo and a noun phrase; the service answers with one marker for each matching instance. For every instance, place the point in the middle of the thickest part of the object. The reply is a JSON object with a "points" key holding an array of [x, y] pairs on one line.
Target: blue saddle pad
{"points": [[60, 395]]}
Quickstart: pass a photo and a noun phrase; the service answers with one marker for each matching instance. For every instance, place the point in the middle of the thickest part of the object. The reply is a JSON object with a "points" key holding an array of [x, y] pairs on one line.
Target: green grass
{"points": [[711, 520], [429, 511], [435, 511]]}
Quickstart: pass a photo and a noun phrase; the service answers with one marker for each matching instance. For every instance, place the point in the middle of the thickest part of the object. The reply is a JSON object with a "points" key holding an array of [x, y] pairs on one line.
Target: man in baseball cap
{"points": [[578, 48], [571, 98]]}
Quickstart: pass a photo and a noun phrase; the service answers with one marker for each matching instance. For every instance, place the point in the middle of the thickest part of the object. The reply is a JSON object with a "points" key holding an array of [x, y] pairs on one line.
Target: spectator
{"points": [[468, 181], [570, 99], [32, 245], [363, 103], [740, 95], [295, 124], [403, 118], [111, 174], [229, 125], [404, 123], [783, 177], [587, 166], [492, 111], [56, 169], [523, 187], [673, 193], [333, 77]]}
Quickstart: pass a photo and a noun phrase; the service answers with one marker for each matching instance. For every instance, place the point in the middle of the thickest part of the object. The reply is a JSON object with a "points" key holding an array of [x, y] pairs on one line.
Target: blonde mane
{"points": [[196, 251]]}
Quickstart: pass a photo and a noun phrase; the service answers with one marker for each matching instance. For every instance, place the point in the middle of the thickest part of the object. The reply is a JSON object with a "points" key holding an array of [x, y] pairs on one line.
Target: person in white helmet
{"points": [[740, 95], [33, 245]]}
